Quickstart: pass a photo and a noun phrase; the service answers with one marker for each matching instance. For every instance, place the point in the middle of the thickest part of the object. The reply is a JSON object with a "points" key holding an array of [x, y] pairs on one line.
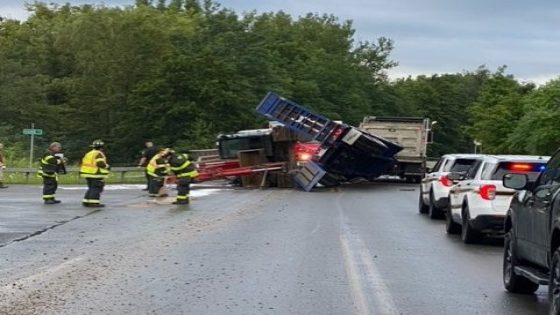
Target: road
{"points": [[360, 249]]}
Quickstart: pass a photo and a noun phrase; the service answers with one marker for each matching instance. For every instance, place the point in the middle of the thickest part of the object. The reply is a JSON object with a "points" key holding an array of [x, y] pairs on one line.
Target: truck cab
{"points": [[532, 239]]}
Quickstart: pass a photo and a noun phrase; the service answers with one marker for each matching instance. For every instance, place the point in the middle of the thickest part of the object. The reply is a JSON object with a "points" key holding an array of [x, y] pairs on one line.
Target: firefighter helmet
{"points": [[97, 144]]}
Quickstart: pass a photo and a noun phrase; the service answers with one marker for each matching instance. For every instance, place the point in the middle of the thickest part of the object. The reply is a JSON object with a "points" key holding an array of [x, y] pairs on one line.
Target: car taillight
{"points": [[445, 181], [303, 156], [487, 192]]}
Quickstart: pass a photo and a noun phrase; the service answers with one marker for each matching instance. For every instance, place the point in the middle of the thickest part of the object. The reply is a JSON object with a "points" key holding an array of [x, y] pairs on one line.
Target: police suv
{"points": [[434, 188], [478, 202]]}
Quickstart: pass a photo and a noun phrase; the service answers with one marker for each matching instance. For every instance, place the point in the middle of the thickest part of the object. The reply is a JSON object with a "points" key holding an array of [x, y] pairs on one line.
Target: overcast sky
{"points": [[430, 36]]}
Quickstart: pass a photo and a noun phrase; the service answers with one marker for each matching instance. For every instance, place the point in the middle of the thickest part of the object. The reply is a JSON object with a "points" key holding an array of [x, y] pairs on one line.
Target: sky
{"points": [[430, 36]]}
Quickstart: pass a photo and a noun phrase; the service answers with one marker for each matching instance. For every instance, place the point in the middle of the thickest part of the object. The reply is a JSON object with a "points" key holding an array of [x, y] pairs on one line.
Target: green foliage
{"points": [[177, 71], [537, 131], [182, 71], [496, 112]]}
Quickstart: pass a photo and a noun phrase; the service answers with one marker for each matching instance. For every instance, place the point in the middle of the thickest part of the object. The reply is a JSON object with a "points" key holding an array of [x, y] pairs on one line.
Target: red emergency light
{"points": [[526, 167], [521, 167]]}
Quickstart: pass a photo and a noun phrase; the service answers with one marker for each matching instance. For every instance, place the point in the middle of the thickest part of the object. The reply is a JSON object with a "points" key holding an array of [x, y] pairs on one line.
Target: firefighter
{"points": [[185, 171], [147, 155], [51, 165], [2, 166], [94, 169], [157, 169]]}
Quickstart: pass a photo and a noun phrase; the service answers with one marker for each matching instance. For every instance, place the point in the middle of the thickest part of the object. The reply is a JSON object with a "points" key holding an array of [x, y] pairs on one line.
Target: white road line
{"points": [[354, 277], [366, 282]]}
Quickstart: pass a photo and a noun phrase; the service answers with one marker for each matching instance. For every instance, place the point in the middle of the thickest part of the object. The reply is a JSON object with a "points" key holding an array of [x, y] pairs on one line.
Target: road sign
{"points": [[36, 132]]}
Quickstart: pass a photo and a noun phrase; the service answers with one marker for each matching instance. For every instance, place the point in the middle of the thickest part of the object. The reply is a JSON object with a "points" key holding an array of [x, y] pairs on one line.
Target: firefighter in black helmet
{"points": [[185, 171], [94, 169]]}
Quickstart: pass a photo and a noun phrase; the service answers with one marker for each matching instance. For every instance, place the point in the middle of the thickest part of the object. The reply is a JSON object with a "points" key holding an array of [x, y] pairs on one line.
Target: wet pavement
{"points": [[360, 249]]}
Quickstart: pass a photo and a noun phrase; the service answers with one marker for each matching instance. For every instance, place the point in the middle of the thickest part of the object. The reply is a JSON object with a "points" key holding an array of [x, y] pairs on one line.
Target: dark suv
{"points": [[532, 239]]}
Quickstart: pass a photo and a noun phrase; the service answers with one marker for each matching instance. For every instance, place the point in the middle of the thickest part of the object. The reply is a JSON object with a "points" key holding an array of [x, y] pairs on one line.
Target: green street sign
{"points": [[36, 132]]}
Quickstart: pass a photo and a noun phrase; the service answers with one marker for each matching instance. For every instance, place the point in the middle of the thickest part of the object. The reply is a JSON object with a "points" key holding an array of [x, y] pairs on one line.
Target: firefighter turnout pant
{"points": [[93, 194], [50, 184], [155, 184], [183, 190]]}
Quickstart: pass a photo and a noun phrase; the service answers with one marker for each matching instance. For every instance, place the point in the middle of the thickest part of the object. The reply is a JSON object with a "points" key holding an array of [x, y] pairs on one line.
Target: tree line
{"points": [[180, 72]]}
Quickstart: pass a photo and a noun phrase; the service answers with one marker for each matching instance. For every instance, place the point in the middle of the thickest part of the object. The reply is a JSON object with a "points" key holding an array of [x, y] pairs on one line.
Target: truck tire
{"points": [[329, 180], [468, 234], [512, 282], [434, 212], [451, 227], [554, 283], [422, 207]]}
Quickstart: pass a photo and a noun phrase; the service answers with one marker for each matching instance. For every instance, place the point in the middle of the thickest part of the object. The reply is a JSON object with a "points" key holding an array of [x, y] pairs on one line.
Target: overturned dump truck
{"points": [[346, 153]]}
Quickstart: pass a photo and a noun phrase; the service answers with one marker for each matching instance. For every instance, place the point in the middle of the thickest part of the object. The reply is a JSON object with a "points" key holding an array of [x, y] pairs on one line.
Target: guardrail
{"points": [[32, 171]]}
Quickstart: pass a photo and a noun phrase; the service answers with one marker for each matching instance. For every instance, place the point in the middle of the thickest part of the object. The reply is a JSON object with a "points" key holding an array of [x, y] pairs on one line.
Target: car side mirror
{"points": [[454, 176], [516, 181]]}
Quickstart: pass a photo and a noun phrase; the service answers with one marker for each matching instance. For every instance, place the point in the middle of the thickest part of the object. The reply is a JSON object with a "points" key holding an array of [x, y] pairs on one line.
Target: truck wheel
{"points": [[451, 227], [513, 282], [422, 208], [329, 180], [434, 212], [468, 234], [554, 284]]}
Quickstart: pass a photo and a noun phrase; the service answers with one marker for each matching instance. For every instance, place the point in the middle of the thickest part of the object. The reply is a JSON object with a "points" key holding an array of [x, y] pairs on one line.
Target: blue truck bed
{"points": [[346, 152]]}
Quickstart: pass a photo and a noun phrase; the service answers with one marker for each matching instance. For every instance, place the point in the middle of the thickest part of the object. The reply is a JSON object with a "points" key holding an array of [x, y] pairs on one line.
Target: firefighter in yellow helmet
{"points": [[157, 169], [185, 171], [94, 169]]}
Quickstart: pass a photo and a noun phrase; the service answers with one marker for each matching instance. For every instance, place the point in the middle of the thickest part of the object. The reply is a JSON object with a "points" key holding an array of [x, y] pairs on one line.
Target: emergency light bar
{"points": [[526, 167]]}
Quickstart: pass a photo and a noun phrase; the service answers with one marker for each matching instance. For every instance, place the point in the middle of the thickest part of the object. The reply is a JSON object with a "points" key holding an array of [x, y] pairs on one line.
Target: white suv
{"points": [[479, 201], [434, 188]]}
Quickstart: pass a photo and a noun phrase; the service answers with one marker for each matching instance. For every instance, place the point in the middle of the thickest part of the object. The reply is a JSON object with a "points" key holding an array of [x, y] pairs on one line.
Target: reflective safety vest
{"points": [[89, 168], [157, 166], [182, 167]]}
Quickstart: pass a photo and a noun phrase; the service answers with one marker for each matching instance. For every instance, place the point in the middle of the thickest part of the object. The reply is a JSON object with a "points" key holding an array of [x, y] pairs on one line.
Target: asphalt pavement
{"points": [[356, 249]]}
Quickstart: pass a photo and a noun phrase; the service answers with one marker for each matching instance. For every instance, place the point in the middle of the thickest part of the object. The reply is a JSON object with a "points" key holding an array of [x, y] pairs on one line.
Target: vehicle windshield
{"points": [[460, 165], [531, 169], [230, 147]]}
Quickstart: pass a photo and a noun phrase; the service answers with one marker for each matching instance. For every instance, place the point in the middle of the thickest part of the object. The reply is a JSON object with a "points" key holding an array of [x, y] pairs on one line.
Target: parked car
{"points": [[532, 233], [434, 187], [478, 202]]}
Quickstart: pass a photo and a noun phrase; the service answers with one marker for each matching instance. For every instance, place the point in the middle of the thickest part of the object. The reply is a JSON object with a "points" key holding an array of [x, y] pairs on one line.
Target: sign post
{"points": [[32, 132]]}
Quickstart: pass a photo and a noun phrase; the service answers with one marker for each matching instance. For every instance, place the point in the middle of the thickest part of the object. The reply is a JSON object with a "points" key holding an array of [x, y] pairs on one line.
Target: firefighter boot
{"points": [[181, 201], [52, 201]]}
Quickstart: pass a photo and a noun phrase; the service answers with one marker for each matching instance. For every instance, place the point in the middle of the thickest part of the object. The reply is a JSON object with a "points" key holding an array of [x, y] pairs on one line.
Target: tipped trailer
{"points": [[345, 152]]}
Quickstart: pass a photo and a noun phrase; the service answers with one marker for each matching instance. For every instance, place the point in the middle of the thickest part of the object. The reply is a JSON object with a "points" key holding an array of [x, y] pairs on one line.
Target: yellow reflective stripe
{"points": [[189, 174], [187, 163], [48, 196], [94, 175], [182, 197], [90, 200]]}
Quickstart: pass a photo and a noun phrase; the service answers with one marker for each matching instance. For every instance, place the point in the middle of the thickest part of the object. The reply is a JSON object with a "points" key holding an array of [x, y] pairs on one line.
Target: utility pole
{"points": [[31, 147]]}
